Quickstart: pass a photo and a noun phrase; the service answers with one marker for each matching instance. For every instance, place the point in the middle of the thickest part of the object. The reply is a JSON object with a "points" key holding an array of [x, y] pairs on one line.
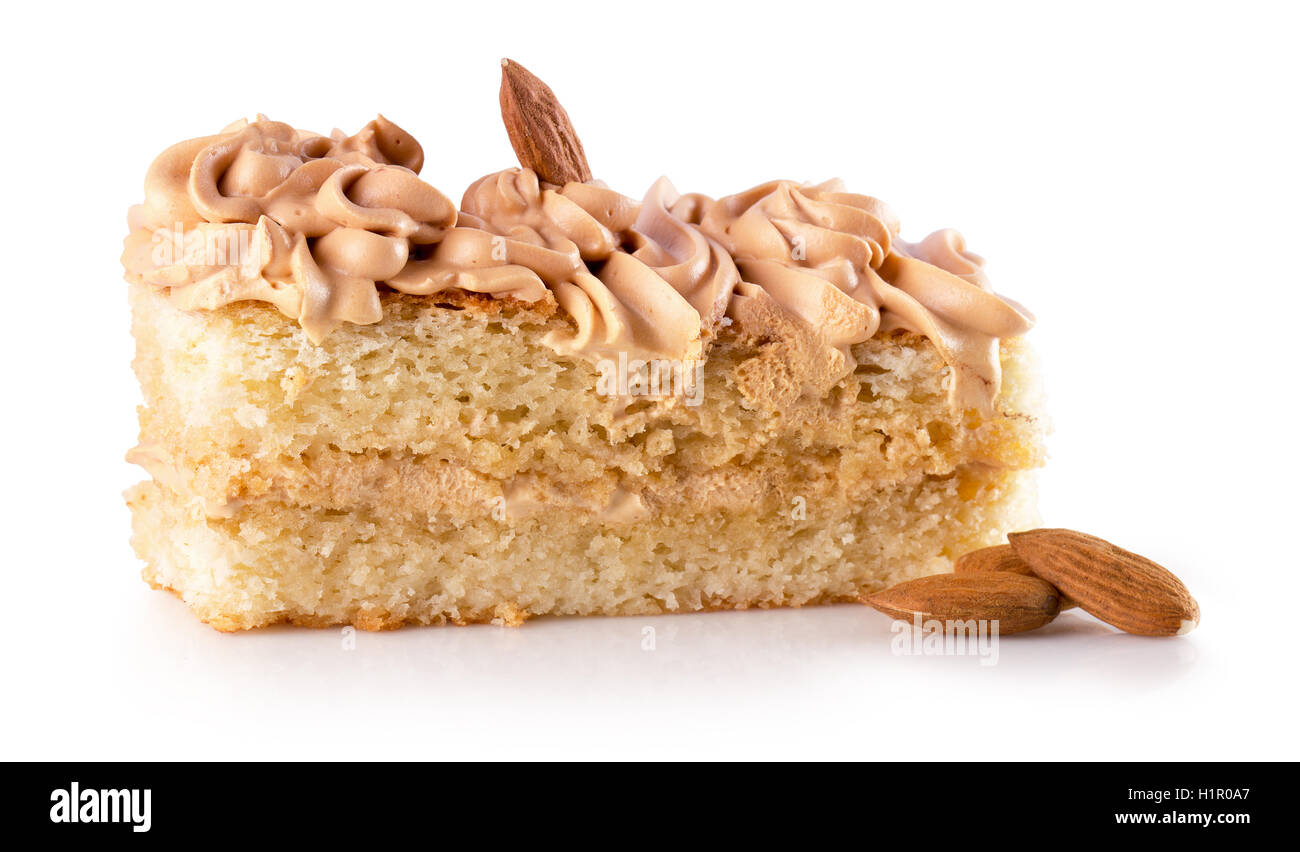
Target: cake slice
{"points": [[366, 406]]}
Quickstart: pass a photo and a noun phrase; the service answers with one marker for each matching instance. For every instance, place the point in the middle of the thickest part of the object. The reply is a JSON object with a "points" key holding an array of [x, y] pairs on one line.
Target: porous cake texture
{"points": [[367, 405], [446, 465]]}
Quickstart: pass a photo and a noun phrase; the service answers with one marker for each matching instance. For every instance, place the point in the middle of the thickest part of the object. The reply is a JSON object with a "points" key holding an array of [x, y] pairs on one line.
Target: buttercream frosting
{"points": [[834, 260], [315, 225]]}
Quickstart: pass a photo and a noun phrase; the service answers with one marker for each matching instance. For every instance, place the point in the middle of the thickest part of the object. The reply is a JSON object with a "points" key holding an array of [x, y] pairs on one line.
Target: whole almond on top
{"points": [[999, 557], [1121, 588], [539, 128], [1015, 601]]}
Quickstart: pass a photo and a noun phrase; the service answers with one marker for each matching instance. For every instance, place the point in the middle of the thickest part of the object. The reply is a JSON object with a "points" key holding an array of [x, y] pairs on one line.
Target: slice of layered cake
{"points": [[366, 406]]}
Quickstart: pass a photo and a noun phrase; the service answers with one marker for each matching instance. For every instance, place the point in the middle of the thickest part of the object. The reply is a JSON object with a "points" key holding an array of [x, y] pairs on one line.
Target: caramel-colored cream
{"points": [[308, 223], [314, 225], [834, 260]]}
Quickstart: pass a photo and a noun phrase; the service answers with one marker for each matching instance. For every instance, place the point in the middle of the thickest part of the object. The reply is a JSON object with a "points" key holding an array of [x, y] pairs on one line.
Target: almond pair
{"points": [[1024, 584]]}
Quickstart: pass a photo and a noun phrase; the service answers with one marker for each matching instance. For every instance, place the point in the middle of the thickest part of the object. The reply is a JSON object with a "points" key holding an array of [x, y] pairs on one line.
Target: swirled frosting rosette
{"points": [[264, 212], [633, 278], [832, 260]]}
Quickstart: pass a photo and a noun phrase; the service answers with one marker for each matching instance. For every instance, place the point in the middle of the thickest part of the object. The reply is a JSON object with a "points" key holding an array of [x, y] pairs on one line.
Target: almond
{"points": [[999, 557], [1015, 601], [1121, 588], [539, 128]]}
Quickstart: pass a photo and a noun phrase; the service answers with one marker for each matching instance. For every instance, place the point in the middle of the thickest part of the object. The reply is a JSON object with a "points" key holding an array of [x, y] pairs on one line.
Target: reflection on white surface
{"points": [[722, 649], [820, 681]]}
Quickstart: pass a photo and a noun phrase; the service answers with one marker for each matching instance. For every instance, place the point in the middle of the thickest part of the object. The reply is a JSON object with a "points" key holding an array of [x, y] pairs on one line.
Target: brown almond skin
{"points": [[1017, 602], [1121, 588], [999, 557], [540, 131]]}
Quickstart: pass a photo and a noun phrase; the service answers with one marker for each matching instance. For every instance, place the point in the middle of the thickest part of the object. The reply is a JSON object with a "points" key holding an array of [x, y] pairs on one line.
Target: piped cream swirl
{"points": [[833, 259], [320, 222], [308, 223]]}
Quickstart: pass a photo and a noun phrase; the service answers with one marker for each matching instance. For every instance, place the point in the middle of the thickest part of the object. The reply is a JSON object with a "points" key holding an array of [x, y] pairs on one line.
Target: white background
{"points": [[1129, 170]]}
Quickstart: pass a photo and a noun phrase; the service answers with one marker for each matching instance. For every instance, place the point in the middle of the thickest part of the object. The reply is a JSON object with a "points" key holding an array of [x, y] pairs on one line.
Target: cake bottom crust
{"points": [[276, 563]]}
